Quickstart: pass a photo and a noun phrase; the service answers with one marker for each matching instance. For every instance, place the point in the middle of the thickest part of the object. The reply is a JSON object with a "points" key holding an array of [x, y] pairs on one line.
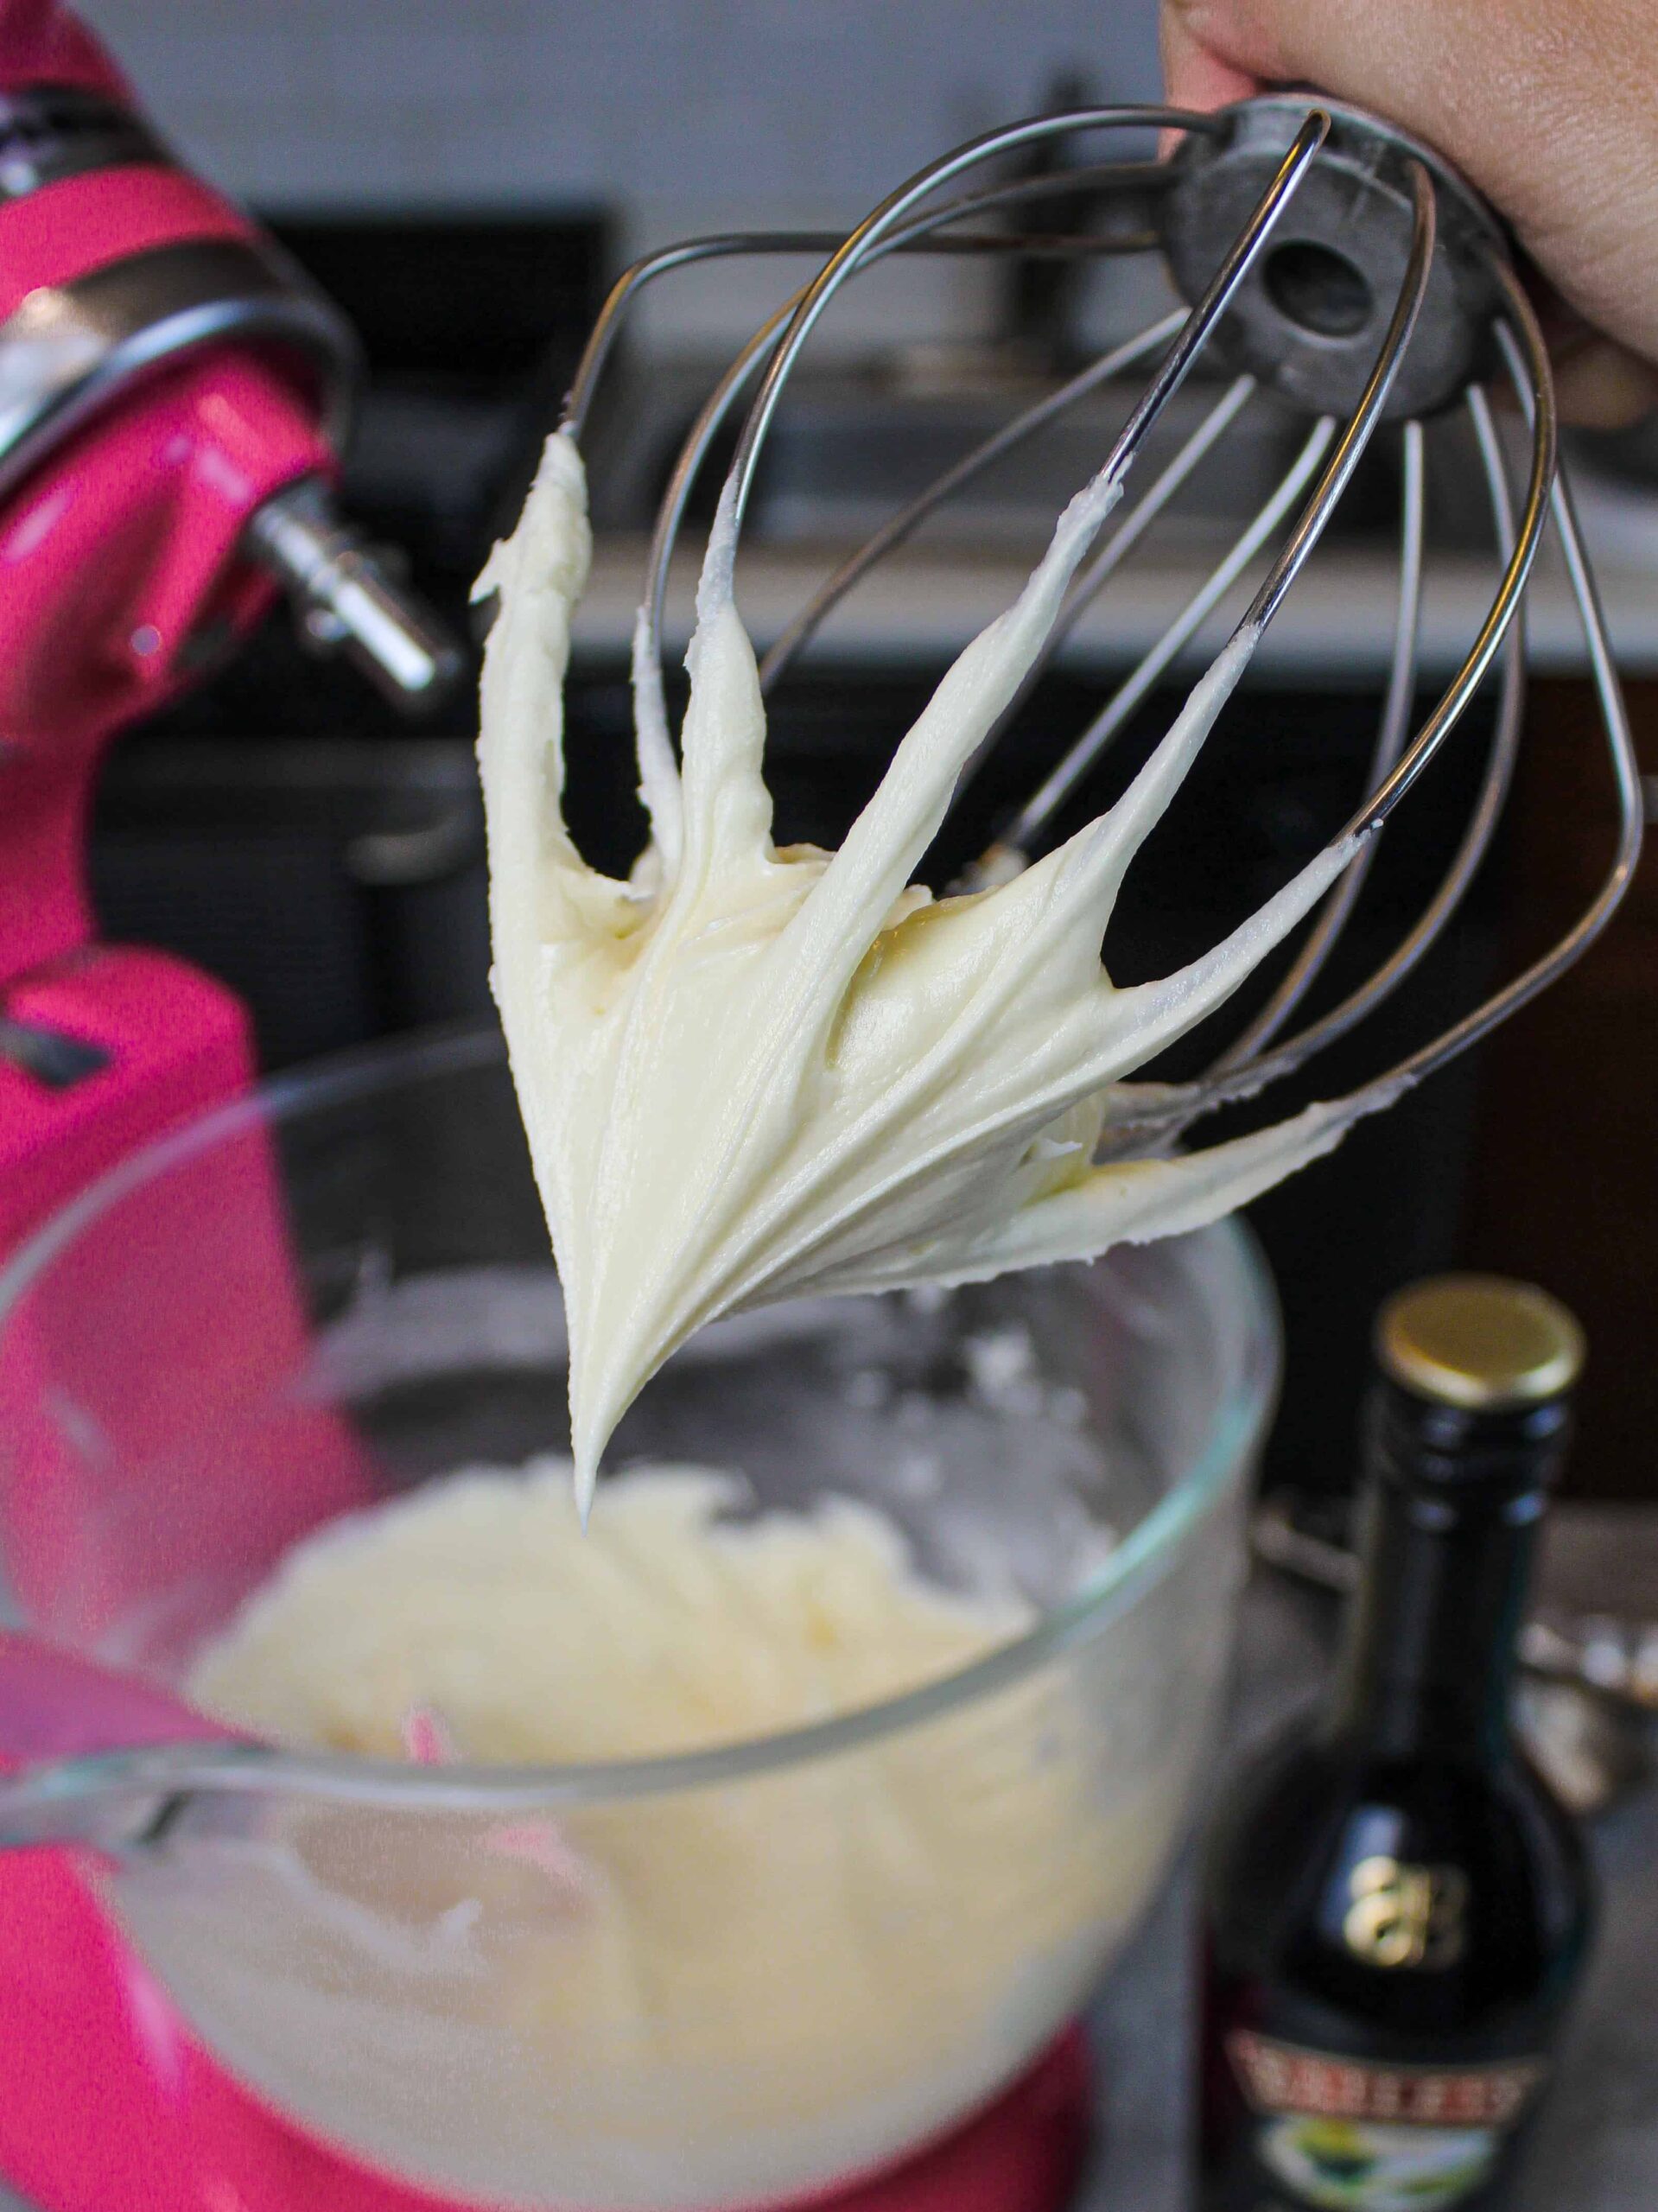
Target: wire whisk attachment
{"points": [[1326, 258]]}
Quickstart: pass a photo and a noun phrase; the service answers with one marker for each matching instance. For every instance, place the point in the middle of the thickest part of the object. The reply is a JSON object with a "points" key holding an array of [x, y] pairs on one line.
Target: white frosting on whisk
{"points": [[750, 1073]]}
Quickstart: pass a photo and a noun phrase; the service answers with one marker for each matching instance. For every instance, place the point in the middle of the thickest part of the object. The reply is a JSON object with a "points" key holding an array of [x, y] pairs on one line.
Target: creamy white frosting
{"points": [[750, 1073], [731, 1993], [679, 1626]]}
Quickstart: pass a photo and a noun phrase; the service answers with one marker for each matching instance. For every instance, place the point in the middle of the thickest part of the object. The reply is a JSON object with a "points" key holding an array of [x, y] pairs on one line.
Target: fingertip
{"points": [[1194, 76]]}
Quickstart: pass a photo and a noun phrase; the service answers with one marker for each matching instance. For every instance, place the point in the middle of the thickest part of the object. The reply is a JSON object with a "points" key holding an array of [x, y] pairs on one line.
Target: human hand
{"points": [[1550, 107]]}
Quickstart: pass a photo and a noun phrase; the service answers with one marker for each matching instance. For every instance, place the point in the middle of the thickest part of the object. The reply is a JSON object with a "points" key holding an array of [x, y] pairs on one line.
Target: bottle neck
{"points": [[1451, 1509]]}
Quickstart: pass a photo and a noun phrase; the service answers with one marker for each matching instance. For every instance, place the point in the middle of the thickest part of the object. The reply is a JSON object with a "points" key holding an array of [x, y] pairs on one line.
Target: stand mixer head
{"points": [[173, 393]]}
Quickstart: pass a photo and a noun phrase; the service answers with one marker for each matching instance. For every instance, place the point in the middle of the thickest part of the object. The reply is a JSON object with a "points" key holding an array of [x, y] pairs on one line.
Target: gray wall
{"points": [[686, 114]]}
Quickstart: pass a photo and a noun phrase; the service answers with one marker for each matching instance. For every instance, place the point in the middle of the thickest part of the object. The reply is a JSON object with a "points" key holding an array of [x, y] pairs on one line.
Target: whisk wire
{"points": [[1361, 424], [1526, 360], [1533, 517], [902, 525], [922, 232], [869, 233], [1034, 817], [1022, 833], [1337, 911], [783, 333], [1520, 350], [1098, 570]]}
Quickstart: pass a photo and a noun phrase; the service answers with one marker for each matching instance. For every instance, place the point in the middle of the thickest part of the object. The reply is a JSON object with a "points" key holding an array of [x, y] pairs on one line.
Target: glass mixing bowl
{"points": [[783, 1961]]}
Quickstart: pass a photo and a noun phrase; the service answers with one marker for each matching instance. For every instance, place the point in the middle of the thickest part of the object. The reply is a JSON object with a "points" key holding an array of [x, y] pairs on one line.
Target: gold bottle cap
{"points": [[1481, 1342]]}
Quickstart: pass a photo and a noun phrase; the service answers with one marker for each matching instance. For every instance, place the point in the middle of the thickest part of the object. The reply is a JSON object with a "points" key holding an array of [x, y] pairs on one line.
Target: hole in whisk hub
{"points": [[1318, 290]]}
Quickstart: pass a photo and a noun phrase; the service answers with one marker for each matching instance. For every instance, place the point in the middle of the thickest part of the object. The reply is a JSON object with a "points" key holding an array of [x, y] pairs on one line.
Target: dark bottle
{"points": [[1395, 1908]]}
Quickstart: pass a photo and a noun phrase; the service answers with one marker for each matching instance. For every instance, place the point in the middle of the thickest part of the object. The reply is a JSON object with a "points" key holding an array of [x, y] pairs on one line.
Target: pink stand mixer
{"points": [[171, 392]]}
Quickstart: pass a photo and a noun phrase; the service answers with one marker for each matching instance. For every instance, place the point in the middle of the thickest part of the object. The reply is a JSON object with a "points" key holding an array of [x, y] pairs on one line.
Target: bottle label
{"points": [[1352, 2136]]}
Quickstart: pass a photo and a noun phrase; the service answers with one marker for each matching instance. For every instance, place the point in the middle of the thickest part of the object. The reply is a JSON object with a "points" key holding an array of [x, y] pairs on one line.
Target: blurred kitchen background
{"points": [[464, 179]]}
